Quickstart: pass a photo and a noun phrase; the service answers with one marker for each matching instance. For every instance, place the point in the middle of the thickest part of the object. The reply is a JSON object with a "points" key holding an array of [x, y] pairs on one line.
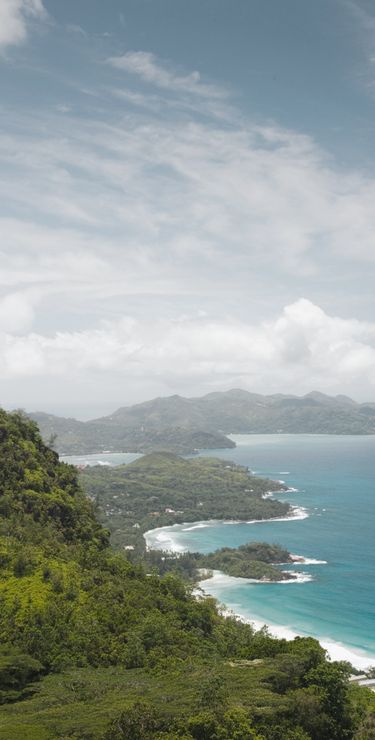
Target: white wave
{"points": [[292, 490], [313, 561], [340, 651], [284, 472], [299, 577], [164, 538], [336, 650], [220, 580], [301, 560], [159, 539], [298, 512]]}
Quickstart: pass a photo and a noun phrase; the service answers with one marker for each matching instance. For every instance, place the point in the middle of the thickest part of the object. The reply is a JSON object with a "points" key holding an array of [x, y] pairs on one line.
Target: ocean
{"points": [[334, 598]]}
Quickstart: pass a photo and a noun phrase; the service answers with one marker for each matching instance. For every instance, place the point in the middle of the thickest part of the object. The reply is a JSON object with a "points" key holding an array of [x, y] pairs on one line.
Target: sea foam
{"points": [[297, 513], [301, 560]]}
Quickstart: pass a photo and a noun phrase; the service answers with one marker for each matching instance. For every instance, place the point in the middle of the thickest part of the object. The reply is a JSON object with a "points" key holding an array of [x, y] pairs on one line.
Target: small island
{"points": [[255, 560]]}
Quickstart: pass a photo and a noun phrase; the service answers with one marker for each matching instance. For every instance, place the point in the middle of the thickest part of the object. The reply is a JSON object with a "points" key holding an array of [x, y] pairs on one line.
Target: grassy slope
{"points": [[83, 701]]}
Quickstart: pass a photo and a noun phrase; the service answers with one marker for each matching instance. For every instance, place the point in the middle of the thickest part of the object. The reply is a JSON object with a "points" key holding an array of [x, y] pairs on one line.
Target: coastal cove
{"points": [[335, 504], [335, 478]]}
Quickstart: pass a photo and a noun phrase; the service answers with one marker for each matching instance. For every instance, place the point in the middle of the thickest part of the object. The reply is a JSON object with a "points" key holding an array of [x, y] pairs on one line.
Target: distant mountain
{"points": [[186, 424], [72, 437]]}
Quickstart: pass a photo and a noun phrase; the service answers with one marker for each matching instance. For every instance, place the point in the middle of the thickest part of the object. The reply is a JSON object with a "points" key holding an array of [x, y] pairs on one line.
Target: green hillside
{"points": [[93, 647], [161, 489], [77, 437], [183, 425]]}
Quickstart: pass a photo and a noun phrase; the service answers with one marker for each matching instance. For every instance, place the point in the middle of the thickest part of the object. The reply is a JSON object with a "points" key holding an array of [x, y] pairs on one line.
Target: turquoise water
{"points": [[335, 478]]}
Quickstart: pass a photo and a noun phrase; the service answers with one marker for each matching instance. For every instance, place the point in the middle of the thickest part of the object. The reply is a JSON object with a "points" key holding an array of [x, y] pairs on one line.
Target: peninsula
{"points": [[162, 489]]}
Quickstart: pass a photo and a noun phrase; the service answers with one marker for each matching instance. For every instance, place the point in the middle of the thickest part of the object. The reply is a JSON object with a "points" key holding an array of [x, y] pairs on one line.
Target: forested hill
{"points": [[161, 489], [95, 648], [184, 424], [73, 437]]}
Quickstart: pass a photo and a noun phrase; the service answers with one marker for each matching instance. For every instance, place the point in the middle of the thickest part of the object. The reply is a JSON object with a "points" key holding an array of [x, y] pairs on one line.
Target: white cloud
{"points": [[178, 202], [150, 69], [16, 312], [15, 16], [230, 216], [300, 349]]}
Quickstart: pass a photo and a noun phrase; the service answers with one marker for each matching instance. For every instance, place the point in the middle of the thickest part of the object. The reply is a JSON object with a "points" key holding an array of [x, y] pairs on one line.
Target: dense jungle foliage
{"points": [[94, 647]]}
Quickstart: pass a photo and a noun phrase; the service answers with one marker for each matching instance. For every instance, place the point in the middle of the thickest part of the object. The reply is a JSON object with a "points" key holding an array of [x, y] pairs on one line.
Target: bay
{"points": [[335, 481], [335, 478]]}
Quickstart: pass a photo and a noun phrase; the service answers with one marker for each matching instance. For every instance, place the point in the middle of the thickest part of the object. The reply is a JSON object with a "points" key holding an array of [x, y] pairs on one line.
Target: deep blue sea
{"points": [[335, 478]]}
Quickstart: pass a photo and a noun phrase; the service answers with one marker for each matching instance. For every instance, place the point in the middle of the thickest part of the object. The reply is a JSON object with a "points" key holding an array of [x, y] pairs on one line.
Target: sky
{"points": [[187, 200]]}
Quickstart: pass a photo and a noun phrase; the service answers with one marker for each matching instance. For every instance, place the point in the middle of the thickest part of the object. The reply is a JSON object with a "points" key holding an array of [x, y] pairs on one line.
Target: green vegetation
{"points": [[253, 560], [94, 648], [256, 560], [289, 695], [72, 437], [161, 489], [183, 425]]}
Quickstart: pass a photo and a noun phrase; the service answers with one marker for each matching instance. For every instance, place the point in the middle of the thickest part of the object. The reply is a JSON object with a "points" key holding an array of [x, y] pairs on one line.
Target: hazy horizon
{"points": [[187, 200], [97, 410]]}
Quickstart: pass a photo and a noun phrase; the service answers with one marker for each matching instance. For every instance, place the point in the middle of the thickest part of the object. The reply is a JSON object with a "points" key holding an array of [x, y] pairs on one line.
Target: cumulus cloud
{"points": [[15, 15], [301, 346]]}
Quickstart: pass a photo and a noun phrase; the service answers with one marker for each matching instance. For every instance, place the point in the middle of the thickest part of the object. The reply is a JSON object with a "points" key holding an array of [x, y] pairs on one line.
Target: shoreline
{"points": [[209, 587], [336, 650], [298, 513]]}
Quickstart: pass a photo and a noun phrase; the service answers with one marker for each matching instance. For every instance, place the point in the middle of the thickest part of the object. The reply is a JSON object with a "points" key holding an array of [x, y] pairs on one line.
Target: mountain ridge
{"points": [[184, 425]]}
